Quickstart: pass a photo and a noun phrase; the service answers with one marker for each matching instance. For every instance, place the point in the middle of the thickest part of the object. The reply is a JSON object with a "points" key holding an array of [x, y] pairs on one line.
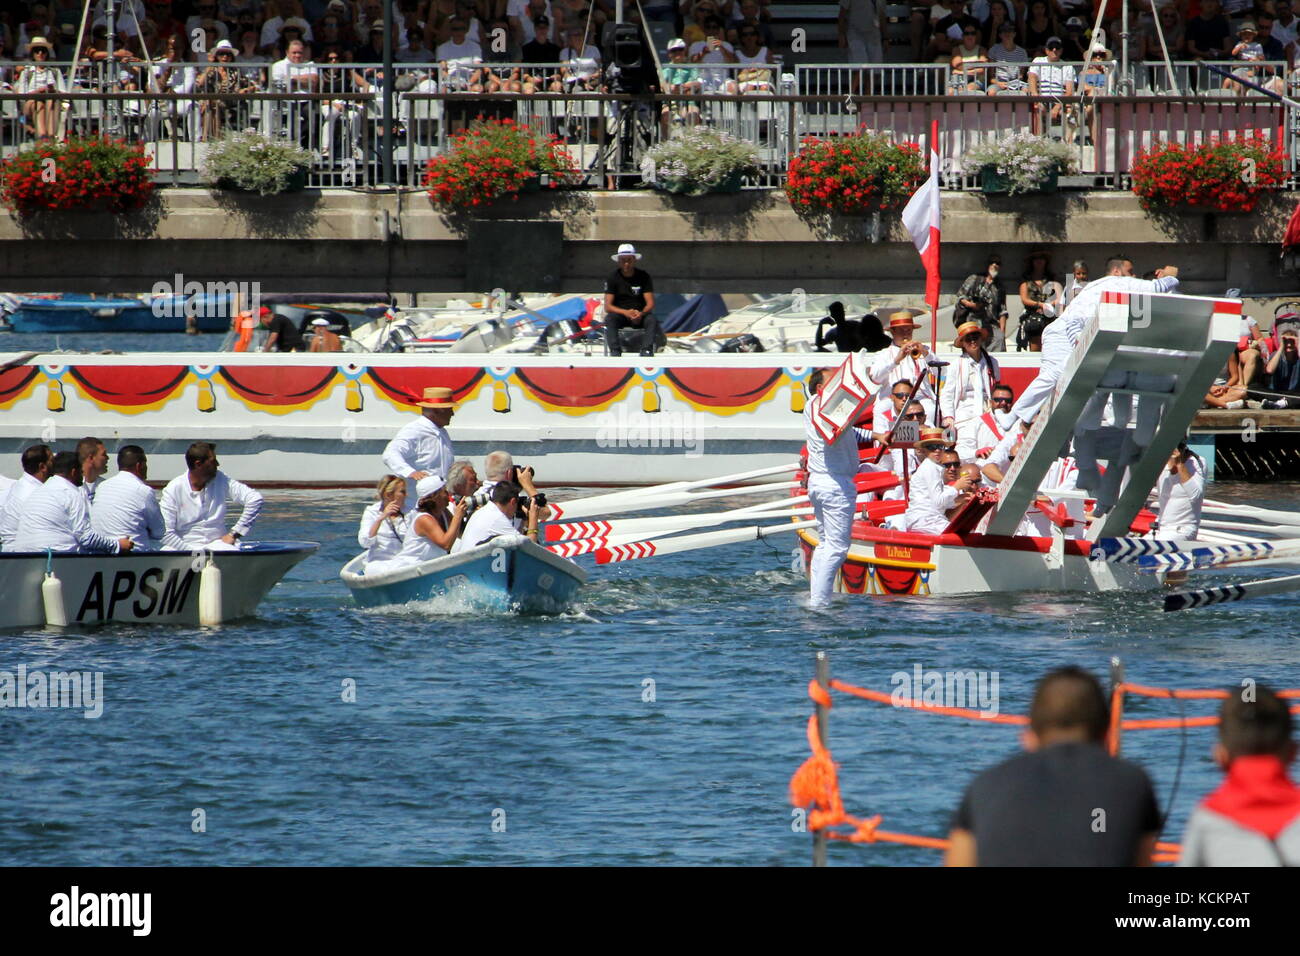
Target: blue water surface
{"points": [[543, 725]]}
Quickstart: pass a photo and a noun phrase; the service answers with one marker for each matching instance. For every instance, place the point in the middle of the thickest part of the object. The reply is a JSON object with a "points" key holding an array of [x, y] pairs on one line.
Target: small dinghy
{"points": [[506, 574]]}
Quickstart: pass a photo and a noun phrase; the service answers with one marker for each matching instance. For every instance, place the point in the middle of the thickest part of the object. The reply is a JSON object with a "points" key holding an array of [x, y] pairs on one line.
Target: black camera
{"points": [[524, 501]]}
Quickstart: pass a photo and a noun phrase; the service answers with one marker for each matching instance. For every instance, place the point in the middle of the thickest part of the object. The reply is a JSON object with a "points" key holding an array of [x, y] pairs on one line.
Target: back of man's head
{"points": [[1069, 702], [497, 465], [1115, 265], [198, 453], [129, 457], [65, 464], [1261, 726], [504, 492], [35, 457], [815, 380]]}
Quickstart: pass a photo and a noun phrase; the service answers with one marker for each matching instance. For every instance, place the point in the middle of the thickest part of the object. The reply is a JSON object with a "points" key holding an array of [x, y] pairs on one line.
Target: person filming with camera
{"points": [[498, 466], [499, 516]]}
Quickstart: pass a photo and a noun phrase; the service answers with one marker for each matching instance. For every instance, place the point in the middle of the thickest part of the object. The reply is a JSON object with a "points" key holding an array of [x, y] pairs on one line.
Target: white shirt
{"points": [[194, 519], [1179, 502], [90, 489], [967, 387], [416, 548], [1052, 77], [420, 445], [469, 50], [283, 71], [1083, 307], [56, 517], [1001, 453], [13, 509], [987, 436], [838, 459], [928, 499], [387, 542], [125, 507], [6, 485], [487, 522]]}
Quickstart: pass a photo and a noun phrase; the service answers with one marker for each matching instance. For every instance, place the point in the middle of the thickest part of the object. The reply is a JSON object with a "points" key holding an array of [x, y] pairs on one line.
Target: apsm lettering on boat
{"points": [[141, 594]]}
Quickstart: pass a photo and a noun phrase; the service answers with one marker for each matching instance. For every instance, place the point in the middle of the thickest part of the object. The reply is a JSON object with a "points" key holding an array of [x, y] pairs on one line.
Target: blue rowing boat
{"points": [[84, 313], [507, 574]]}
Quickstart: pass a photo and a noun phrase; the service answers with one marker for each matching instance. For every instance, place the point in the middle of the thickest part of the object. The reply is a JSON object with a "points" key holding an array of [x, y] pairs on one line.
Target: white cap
{"points": [[320, 321], [427, 486], [626, 249], [677, 44]]}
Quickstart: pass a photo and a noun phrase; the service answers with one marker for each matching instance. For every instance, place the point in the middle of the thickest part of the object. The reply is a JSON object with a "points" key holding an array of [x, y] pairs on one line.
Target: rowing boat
{"points": [[506, 574]]}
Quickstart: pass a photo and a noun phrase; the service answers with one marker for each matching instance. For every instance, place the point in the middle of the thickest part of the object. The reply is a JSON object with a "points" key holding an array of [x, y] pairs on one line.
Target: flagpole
{"points": [[934, 305]]}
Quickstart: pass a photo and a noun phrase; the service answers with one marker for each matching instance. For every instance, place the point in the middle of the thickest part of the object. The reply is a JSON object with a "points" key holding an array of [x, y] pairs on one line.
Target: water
{"points": [[45, 342], [544, 719]]}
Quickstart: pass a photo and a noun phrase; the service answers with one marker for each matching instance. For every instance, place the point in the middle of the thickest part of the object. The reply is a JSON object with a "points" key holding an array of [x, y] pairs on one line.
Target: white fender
{"points": [[210, 594], [52, 596]]}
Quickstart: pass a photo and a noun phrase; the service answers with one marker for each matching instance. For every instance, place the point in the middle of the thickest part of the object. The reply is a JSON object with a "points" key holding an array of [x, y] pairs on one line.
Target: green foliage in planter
{"points": [[252, 162], [700, 159], [1023, 160]]}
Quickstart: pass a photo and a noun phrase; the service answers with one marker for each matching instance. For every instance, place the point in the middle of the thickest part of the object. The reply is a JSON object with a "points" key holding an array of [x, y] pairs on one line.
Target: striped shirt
{"points": [[1052, 77], [57, 517], [1000, 54], [125, 507]]}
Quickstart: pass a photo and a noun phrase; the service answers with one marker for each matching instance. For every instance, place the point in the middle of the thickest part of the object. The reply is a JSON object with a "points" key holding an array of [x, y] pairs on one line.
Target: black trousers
{"points": [[614, 322]]}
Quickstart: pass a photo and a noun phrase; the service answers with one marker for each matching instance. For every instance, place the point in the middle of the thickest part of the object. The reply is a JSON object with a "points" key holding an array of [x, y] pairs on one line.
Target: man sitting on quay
{"points": [[194, 504], [36, 460], [57, 518], [125, 507], [1041, 808]]}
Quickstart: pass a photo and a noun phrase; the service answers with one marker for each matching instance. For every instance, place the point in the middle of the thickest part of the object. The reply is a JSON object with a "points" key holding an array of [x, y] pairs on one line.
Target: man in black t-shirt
{"points": [[540, 49], [1208, 36], [281, 334], [1066, 802], [629, 302]]}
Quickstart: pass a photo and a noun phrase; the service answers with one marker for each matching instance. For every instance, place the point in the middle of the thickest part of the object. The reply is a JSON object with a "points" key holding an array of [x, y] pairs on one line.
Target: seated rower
{"points": [[56, 516], [125, 506], [383, 523], [1061, 476], [94, 464], [896, 458], [929, 497], [36, 461], [497, 518], [430, 530], [194, 504]]}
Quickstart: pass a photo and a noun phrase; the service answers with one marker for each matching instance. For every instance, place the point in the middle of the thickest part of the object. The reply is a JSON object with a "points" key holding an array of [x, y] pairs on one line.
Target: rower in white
{"points": [[94, 465], [423, 447], [994, 424], [903, 460], [967, 390], [904, 361], [832, 493], [930, 498], [36, 461], [57, 518], [125, 507], [1180, 493], [194, 504]]}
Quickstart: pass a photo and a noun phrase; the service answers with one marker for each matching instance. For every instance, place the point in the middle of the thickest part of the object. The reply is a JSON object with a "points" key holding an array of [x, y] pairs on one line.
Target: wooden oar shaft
{"points": [[569, 508], [587, 508]]}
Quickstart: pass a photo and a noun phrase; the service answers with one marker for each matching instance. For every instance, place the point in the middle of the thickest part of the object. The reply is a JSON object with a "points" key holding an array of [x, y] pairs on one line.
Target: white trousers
{"points": [[1056, 351], [832, 500]]}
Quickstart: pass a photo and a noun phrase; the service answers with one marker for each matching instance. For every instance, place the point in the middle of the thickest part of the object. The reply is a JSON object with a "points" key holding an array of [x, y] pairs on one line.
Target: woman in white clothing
{"points": [[430, 530], [383, 525], [967, 391], [41, 116]]}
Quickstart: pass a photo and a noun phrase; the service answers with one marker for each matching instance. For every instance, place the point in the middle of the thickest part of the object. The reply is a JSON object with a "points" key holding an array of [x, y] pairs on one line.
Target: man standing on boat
{"points": [[56, 516], [904, 361], [629, 302], [36, 469], [194, 504], [423, 447], [1061, 336], [125, 507], [832, 493], [968, 390]]}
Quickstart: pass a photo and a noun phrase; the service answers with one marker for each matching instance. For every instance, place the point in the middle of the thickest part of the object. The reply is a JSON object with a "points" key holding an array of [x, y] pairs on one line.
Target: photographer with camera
{"points": [[498, 466], [1282, 371], [499, 517]]}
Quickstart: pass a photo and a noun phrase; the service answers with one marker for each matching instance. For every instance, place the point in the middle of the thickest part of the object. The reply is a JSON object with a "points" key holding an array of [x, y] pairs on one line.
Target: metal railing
{"points": [[338, 116]]}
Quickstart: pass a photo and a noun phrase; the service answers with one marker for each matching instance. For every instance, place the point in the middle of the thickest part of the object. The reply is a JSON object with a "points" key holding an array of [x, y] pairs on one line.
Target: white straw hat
{"points": [[626, 249]]}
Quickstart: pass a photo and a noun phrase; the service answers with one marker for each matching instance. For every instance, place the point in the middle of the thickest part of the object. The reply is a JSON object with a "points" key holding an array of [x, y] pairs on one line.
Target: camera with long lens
{"points": [[477, 500]]}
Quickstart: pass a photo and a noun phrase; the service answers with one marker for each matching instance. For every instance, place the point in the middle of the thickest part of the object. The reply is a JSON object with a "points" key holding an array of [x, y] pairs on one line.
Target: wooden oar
{"points": [[1250, 511], [1185, 600], [575, 548], [672, 499], [692, 542], [596, 504], [1281, 530]]}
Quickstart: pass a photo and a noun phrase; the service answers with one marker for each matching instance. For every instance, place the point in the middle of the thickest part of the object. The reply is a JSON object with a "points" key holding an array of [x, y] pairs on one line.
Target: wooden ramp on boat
{"points": [[1153, 354]]}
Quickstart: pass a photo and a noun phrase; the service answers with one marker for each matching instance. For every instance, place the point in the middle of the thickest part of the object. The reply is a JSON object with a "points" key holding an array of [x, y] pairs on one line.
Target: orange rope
{"points": [[816, 782]]}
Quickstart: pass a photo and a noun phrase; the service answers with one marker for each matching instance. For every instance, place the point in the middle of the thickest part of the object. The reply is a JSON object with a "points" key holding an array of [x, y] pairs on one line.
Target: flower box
{"points": [[496, 159], [1223, 175], [731, 184], [93, 174], [993, 182], [699, 160]]}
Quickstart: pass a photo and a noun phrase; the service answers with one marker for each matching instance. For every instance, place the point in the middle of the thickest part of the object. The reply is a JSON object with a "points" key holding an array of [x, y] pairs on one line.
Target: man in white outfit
{"points": [[94, 465], [1061, 336], [36, 460], [125, 507], [930, 497], [56, 516], [967, 390], [832, 493], [423, 447], [993, 425], [904, 361], [1180, 493], [194, 504]]}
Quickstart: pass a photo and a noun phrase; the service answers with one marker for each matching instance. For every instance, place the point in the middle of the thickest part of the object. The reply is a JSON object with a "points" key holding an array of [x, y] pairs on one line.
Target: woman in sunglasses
{"points": [[753, 56], [966, 56], [967, 390]]}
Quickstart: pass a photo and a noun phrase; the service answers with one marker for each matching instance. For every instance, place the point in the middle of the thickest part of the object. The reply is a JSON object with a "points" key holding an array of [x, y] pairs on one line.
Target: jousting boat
{"points": [[1162, 351], [145, 587], [507, 574]]}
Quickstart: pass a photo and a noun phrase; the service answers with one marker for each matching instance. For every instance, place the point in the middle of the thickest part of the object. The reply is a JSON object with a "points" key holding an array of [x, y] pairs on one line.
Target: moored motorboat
{"points": [[508, 573], [143, 587]]}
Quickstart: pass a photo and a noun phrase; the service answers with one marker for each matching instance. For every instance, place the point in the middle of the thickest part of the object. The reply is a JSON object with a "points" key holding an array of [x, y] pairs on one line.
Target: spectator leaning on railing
{"points": [[1048, 76], [1008, 78]]}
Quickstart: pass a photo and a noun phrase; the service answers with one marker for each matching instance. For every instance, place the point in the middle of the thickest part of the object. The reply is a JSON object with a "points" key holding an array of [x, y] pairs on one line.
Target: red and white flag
{"points": [[1291, 238], [921, 217]]}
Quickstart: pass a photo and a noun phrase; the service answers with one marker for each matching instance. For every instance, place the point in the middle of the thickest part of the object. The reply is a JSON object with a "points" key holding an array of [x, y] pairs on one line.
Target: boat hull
{"points": [[118, 315], [1023, 563], [146, 587], [504, 575]]}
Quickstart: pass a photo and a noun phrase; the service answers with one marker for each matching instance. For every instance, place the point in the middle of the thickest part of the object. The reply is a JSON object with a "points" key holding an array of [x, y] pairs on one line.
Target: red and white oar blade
{"points": [[1186, 600], [573, 530], [588, 508], [692, 542], [601, 504], [572, 549]]}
